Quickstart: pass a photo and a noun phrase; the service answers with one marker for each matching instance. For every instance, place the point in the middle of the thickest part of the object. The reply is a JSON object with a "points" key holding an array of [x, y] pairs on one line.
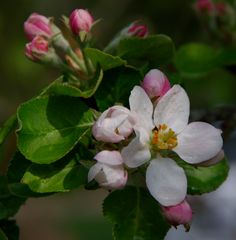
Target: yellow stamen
{"points": [[164, 138]]}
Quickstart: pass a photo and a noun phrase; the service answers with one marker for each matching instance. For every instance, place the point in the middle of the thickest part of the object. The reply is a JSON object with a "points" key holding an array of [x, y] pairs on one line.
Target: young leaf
{"points": [[72, 89], [105, 60], [116, 86], [135, 215], [51, 126], [157, 50], [8, 126], [205, 179], [61, 176]]}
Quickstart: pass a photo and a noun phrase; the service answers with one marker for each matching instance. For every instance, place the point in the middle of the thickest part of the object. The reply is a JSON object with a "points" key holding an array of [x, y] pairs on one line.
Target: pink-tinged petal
{"points": [[114, 125], [166, 181], [142, 107], [155, 83], [178, 214], [116, 177], [199, 142], [109, 157], [93, 171], [173, 109], [137, 152]]}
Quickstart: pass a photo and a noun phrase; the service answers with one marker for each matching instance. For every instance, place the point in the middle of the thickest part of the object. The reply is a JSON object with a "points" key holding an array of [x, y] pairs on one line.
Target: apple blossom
{"points": [[155, 83], [167, 128], [108, 171], [37, 24], [114, 125], [80, 20], [178, 214]]}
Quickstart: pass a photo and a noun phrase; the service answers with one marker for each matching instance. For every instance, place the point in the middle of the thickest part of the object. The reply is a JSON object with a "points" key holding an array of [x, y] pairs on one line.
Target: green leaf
{"points": [[9, 206], [205, 179], [135, 215], [116, 87], [157, 50], [2, 235], [9, 229], [105, 60], [72, 88], [4, 192], [6, 129], [195, 58], [17, 167], [51, 126], [61, 176]]}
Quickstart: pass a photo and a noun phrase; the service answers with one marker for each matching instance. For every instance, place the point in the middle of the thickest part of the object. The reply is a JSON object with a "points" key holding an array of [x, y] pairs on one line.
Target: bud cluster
{"points": [[219, 18], [48, 44]]}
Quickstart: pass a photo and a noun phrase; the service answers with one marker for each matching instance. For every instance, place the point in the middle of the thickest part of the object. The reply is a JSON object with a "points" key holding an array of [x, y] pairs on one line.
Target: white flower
{"points": [[114, 125], [109, 171], [167, 128]]}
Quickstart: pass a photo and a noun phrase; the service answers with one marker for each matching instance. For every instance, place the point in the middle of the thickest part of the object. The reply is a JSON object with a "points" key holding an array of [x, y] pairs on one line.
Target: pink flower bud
{"points": [[108, 171], [137, 30], [36, 49], [155, 83], [204, 6], [80, 20], [114, 125], [178, 214], [37, 25]]}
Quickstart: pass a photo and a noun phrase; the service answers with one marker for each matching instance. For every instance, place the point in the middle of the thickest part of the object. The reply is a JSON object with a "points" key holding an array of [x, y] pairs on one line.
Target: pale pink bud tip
{"points": [[80, 20], [155, 83], [138, 30], [204, 6], [36, 49], [37, 25], [178, 214]]}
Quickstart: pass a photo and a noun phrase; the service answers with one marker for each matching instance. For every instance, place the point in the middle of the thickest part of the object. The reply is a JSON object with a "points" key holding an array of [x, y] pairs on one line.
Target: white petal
{"points": [[116, 177], [166, 181], [173, 109], [142, 108], [137, 152], [109, 157], [199, 142], [93, 171]]}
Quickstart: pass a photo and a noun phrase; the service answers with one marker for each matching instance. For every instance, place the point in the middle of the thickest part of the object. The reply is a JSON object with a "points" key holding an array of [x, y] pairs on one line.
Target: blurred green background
{"points": [[21, 79]]}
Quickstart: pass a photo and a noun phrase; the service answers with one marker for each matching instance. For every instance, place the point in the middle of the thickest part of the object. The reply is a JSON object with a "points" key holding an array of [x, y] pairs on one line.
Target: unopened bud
{"points": [[36, 49], [204, 6], [137, 30], [80, 20], [155, 83], [37, 25], [178, 214]]}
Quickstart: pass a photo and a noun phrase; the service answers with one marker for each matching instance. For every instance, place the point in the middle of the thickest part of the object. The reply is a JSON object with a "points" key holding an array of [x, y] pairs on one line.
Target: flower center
{"points": [[164, 138]]}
